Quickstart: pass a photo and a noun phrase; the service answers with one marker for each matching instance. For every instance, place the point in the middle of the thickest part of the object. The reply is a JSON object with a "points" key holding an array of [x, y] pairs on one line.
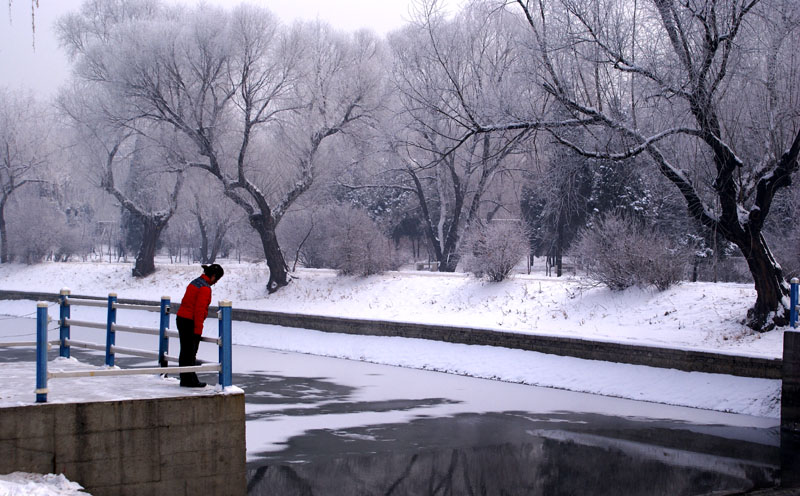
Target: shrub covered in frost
{"points": [[346, 239], [37, 231], [493, 250], [619, 254]]}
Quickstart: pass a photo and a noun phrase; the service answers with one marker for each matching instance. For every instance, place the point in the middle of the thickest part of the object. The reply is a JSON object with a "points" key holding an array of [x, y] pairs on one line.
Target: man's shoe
{"points": [[194, 384]]}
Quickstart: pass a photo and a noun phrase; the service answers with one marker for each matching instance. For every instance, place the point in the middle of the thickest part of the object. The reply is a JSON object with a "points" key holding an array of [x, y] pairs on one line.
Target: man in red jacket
{"points": [[191, 314]]}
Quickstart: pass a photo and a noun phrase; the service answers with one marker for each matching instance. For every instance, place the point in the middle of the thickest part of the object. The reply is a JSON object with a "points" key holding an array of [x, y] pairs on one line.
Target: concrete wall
{"points": [[790, 411], [193, 445], [790, 407], [690, 361]]}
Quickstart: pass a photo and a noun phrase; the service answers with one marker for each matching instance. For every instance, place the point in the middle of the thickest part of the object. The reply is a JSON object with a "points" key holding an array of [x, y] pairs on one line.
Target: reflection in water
{"points": [[511, 453], [270, 389]]}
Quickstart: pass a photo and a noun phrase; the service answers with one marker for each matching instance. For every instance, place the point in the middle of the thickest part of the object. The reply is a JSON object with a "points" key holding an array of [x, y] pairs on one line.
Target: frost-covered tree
{"points": [[110, 142], [556, 201], [236, 86], [565, 190], [703, 90], [212, 216], [343, 238], [24, 151], [436, 61]]}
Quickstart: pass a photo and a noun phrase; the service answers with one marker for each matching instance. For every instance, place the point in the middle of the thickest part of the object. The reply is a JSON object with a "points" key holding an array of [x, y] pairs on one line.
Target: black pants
{"points": [[189, 343]]}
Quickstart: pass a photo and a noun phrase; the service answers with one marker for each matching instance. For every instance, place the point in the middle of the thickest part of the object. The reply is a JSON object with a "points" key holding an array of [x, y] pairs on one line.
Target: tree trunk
{"points": [[772, 290], [3, 234], [449, 264], [559, 246], [450, 254], [145, 258], [278, 270], [203, 240], [216, 244]]}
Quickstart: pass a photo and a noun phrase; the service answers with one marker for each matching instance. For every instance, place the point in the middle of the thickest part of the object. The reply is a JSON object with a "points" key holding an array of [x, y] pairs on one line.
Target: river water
{"points": [[329, 426]]}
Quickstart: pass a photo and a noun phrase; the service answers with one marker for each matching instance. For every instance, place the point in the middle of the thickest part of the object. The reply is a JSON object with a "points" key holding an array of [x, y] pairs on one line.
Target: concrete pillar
{"points": [[790, 411]]}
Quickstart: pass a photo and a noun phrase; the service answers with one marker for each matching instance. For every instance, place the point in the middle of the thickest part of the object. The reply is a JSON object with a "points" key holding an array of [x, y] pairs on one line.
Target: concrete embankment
{"points": [[178, 446]]}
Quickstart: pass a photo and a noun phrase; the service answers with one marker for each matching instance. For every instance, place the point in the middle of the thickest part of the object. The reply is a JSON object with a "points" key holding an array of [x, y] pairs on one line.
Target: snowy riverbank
{"points": [[703, 316], [697, 316]]}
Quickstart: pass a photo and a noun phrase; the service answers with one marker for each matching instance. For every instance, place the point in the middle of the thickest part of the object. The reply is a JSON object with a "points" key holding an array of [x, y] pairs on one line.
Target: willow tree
{"points": [[109, 144], [24, 151], [436, 63], [237, 87]]}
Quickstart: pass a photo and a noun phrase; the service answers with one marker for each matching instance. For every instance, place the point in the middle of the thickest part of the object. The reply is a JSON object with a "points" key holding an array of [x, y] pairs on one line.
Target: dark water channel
{"points": [[516, 452]]}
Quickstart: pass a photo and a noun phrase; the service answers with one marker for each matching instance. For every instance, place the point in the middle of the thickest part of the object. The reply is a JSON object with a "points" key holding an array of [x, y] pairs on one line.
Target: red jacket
{"points": [[194, 305]]}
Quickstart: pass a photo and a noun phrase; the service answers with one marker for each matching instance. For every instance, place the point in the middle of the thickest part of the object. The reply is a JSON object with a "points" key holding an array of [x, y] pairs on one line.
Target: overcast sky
{"points": [[44, 69]]}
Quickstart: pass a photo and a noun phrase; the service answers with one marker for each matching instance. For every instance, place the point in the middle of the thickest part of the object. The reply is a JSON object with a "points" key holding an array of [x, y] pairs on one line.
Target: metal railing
{"points": [[111, 349]]}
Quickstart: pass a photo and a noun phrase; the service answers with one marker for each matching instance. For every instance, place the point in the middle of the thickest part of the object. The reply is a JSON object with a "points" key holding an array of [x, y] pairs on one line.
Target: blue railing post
{"points": [[163, 340], [110, 334], [793, 302], [41, 352], [63, 315], [225, 350]]}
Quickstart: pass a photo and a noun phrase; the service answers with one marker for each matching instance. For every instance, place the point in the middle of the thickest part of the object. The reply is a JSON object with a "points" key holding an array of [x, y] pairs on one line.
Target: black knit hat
{"points": [[213, 270]]}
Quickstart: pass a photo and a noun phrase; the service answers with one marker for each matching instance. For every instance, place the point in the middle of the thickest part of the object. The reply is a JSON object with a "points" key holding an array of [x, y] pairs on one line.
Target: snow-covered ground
{"points": [[704, 316], [24, 484]]}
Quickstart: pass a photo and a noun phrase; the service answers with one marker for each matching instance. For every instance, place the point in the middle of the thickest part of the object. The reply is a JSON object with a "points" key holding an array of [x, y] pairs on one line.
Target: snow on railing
{"points": [[110, 348]]}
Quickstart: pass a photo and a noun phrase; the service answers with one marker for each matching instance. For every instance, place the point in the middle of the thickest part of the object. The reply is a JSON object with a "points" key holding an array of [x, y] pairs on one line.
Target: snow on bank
{"points": [[25, 484], [701, 316], [724, 393]]}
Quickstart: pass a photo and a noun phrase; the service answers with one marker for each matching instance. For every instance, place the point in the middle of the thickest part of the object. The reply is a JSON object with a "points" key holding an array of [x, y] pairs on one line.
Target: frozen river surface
{"points": [[326, 426]]}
